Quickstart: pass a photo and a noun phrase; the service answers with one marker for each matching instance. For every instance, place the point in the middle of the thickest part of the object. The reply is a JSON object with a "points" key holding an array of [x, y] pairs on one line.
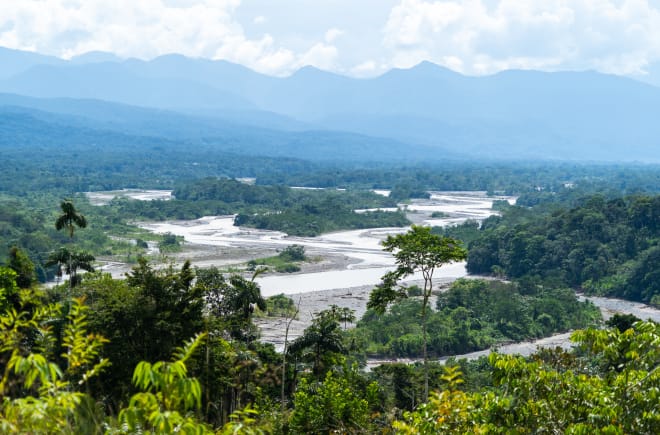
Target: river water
{"points": [[347, 283], [365, 263]]}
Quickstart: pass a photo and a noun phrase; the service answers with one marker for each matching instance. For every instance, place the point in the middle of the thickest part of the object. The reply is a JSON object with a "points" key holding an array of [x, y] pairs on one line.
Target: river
{"points": [[347, 282], [365, 261]]}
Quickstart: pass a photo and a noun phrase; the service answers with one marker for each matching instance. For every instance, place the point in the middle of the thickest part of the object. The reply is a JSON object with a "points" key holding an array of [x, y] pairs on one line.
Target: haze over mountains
{"points": [[423, 113]]}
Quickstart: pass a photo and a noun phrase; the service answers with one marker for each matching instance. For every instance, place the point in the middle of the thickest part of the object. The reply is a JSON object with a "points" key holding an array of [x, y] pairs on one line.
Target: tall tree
{"points": [[70, 262], [70, 218], [418, 250], [321, 343]]}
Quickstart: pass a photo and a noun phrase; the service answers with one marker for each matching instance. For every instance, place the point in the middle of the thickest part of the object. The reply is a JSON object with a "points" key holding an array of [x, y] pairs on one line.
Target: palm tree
{"points": [[247, 295], [59, 258], [70, 262], [70, 218], [343, 314], [323, 341]]}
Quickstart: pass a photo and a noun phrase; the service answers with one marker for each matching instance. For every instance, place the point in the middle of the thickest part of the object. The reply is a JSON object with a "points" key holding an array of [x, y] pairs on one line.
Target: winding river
{"points": [[366, 261], [347, 283]]}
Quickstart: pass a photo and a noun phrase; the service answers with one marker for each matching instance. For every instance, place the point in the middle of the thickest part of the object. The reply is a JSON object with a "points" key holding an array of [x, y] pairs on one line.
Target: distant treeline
{"points": [[299, 212], [52, 157]]}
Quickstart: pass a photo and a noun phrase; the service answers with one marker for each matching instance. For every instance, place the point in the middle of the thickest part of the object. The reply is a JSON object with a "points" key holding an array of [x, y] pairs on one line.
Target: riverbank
{"points": [[356, 298]]}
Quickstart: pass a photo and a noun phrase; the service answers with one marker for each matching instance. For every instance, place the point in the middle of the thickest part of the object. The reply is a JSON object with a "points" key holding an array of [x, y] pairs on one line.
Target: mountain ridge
{"points": [[512, 114]]}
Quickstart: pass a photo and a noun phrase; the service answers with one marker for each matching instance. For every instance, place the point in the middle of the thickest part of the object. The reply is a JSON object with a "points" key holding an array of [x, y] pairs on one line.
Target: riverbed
{"points": [[353, 258], [350, 263]]}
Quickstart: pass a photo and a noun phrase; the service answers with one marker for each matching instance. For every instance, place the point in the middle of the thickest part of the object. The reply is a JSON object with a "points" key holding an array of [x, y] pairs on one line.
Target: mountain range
{"points": [[423, 113]]}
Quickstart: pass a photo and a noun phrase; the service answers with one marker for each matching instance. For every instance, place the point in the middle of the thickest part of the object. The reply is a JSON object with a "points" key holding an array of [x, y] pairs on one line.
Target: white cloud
{"points": [[149, 28], [481, 37], [365, 69], [321, 55], [360, 38], [333, 34]]}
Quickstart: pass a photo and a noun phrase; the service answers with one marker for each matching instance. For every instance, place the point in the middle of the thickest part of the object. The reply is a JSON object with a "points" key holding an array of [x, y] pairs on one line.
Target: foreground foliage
{"points": [[52, 366], [620, 394]]}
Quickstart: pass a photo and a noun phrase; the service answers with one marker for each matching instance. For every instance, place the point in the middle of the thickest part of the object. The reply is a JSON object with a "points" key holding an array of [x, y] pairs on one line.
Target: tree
{"points": [[611, 388], [418, 250], [338, 404], [323, 341], [38, 395], [287, 321], [168, 397], [70, 262], [23, 266], [70, 218], [237, 306], [343, 314]]}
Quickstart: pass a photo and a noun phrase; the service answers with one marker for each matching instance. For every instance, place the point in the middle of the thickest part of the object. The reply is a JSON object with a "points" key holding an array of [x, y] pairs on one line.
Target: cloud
{"points": [[333, 34], [321, 55], [149, 28], [470, 36], [480, 37]]}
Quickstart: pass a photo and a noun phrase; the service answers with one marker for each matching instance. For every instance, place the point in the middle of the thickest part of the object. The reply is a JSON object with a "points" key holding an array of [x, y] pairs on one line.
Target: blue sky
{"points": [[352, 37]]}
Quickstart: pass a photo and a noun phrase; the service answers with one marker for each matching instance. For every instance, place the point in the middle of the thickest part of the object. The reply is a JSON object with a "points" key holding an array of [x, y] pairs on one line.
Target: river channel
{"points": [[361, 261], [351, 263]]}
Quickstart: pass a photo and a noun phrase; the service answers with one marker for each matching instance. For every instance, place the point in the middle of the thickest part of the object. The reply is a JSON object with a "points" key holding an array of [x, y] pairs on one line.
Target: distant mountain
{"points": [[513, 114], [113, 81], [95, 57], [117, 127], [14, 62]]}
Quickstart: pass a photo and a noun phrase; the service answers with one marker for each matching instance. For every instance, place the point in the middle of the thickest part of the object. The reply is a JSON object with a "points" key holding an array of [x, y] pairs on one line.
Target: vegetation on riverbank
{"points": [[223, 381], [606, 247], [473, 315], [287, 261], [175, 349]]}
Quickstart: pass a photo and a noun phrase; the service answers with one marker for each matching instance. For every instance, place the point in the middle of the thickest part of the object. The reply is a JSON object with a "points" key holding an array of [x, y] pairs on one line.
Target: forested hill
{"points": [[609, 247], [118, 126]]}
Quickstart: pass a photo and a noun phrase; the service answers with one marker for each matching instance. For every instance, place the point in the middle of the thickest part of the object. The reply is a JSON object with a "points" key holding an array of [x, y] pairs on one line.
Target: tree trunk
{"points": [[286, 343], [426, 359], [428, 286]]}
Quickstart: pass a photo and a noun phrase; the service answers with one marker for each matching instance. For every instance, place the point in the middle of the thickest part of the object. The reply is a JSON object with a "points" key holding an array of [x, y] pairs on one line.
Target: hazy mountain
{"points": [[96, 57], [14, 62], [113, 81], [101, 124], [528, 114], [118, 117]]}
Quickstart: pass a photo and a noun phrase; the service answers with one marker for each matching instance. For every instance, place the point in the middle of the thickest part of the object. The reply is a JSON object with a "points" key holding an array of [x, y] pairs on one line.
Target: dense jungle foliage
{"points": [[116, 360], [473, 315], [608, 247], [175, 349]]}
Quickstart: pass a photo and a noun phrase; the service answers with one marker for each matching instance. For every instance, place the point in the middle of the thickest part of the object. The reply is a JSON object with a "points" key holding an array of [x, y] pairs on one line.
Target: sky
{"points": [[360, 38]]}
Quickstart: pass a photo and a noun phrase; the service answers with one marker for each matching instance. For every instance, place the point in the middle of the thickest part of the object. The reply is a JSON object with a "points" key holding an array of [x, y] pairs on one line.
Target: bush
{"points": [[293, 253], [288, 268]]}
